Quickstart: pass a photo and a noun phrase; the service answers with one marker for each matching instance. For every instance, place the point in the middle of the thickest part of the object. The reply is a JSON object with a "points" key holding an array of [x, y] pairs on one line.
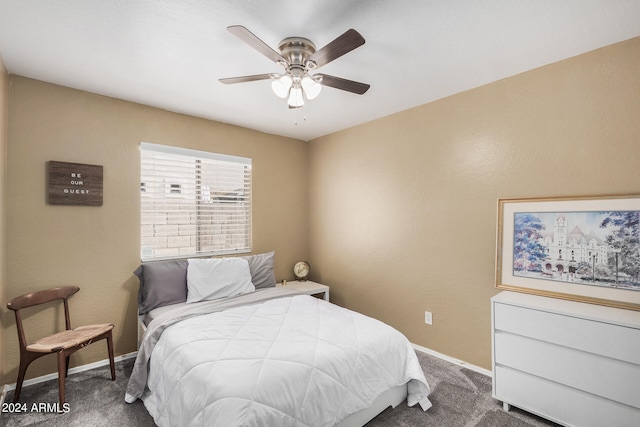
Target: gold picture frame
{"points": [[576, 248]]}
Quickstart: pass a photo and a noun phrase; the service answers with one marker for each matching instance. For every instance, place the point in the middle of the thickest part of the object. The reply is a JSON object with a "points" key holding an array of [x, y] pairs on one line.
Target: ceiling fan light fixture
{"points": [[298, 56], [311, 87], [281, 86], [295, 97]]}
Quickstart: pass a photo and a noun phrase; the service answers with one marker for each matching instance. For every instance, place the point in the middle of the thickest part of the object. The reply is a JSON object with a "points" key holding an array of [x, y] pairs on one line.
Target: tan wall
{"points": [[4, 106], [403, 209], [98, 247]]}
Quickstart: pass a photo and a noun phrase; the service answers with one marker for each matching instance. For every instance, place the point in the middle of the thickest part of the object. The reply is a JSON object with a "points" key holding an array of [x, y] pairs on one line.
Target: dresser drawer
{"points": [[560, 403], [601, 338], [598, 375]]}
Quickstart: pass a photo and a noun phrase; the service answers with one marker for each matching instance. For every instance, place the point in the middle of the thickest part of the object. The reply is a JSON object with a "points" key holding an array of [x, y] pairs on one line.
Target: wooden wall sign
{"points": [[74, 184]]}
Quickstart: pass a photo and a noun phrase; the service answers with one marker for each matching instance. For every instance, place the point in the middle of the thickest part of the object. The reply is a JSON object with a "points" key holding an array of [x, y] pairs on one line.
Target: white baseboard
{"points": [[452, 360], [74, 370], [131, 355], [3, 394]]}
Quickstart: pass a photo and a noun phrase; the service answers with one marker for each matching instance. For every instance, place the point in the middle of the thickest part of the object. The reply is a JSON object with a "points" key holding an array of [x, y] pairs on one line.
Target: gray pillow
{"points": [[261, 267], [161, 283]]}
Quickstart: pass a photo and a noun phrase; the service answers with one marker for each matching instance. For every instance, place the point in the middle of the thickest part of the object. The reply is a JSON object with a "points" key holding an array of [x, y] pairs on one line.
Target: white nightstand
{"points": [[308, 287]]}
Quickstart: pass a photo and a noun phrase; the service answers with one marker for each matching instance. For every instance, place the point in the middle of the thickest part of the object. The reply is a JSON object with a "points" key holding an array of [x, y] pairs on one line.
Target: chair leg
{"points": [[62, 373], [21, 372], [25, 360], [111, 361]]}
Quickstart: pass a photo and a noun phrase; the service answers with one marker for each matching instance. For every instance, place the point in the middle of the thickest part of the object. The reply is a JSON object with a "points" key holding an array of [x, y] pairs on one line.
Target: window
{"points": [[193, 203]]}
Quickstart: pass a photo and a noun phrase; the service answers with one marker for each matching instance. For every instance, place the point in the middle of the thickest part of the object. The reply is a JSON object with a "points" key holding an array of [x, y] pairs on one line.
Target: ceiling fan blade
{"points": [[345, 43], [243, 79], [252, 40], [343, 84]]}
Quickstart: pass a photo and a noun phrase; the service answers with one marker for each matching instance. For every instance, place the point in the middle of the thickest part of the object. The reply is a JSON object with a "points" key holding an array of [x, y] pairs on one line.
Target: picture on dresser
{"points": [[578, 248]]}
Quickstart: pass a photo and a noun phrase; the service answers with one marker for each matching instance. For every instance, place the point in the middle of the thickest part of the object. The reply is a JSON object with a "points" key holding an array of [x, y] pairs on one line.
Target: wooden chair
{"points": [[63, 343]]}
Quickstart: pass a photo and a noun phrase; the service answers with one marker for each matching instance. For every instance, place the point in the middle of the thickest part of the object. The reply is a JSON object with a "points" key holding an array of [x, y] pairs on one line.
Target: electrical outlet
{"points": [[428, 318]]}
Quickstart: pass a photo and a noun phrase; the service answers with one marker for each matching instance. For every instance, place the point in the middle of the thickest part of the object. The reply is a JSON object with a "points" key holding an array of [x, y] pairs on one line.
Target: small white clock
{"points": [[301, 270]]}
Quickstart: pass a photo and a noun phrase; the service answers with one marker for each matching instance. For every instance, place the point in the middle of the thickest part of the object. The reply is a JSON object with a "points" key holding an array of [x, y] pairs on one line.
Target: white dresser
{"points": [[573, 363]]}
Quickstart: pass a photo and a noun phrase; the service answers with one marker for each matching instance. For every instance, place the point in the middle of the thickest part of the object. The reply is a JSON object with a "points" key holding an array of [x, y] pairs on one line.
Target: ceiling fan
{"points": [[298, 56]]}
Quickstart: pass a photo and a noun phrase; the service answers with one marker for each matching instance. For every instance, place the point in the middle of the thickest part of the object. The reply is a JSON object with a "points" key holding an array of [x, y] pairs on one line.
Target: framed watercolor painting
{"points": [[578, 248]]}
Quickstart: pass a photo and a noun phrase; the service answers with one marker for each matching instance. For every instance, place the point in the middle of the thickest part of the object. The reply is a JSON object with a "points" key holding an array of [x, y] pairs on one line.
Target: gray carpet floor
{"points": [[460, 397]]}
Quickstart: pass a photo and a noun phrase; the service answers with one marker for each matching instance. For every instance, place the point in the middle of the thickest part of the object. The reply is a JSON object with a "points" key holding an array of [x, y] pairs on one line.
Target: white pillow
{"points": [[215, 278]]}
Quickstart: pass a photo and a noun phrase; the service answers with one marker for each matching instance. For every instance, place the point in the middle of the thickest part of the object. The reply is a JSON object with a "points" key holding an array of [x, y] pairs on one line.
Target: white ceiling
{"points": [[170, 54]]}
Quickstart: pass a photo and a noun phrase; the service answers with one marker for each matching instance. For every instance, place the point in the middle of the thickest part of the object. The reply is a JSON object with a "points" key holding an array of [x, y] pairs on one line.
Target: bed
{"points": [[255, 354]]}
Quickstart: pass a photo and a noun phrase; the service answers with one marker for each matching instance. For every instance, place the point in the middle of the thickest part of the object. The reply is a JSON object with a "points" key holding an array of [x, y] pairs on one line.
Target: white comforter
{"points": [[294, 361]]}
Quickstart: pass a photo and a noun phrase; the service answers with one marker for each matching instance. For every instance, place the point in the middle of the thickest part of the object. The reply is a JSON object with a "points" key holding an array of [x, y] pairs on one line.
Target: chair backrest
{"points": [[41, 297], [37, 298]]}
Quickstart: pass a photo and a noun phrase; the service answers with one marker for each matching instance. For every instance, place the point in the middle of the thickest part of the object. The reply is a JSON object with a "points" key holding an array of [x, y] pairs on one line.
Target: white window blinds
{"points": [[193, 203]]}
